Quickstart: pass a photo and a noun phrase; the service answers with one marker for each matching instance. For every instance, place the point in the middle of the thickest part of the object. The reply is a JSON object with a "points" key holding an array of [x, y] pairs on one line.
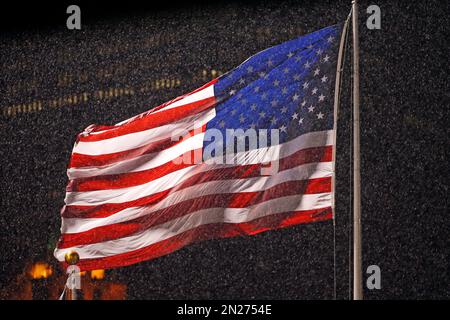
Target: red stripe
{"points": [[117, 181], [213, 81], [230, 200], [123, 180], [322, 154], [105, 210], [205, 232], [149, 119]]}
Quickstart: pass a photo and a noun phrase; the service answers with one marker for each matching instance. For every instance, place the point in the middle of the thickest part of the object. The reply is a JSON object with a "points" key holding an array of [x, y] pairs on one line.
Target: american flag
{"points": [[129, 197]]}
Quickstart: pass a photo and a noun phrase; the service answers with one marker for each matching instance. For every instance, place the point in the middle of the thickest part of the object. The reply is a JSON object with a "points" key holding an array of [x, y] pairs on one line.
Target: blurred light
{"points": [[97, 274], [41, 270]]}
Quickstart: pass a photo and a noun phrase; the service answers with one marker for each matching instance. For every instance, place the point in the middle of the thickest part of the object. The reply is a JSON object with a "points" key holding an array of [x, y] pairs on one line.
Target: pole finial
{"points": [[72, 257]]}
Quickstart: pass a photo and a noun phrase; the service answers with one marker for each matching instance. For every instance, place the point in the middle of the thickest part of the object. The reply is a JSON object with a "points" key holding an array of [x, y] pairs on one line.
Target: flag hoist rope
{"points": [[337, 97]]}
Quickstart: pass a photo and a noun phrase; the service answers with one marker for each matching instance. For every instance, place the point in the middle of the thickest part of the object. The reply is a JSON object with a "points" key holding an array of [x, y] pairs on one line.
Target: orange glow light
{"points": [[98, 274], [41, 270]]}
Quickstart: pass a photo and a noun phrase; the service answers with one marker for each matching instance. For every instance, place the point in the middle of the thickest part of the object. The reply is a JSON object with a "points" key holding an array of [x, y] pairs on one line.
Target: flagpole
{"points": [[357, 271]]}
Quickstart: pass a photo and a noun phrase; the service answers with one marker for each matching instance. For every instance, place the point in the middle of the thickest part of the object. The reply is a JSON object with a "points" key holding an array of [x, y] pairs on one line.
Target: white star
{"points": [[283, 128], [320, 115], [326, 58], [243, 101], [305, 85], [270, 63], [262, 74], [309, 46], [298, 58], [286, 70], [303, 103], [232, 92], [253, 107], [314, 91], [300, 121], [250, 69], [295, 116], [324, 78], [233, 112], [274, 103], [321, 97], [330, 39], [316, 72], [262, 114], [274, 120], [276, 83], [264, 96], [222, 124], [241, 81], [307, 65], [311, 109], [319, 52], [296, 77], [253, 126], [284, 90], [295, 97], [290, 54], [241, 118], [256, 89], [283, 110]]}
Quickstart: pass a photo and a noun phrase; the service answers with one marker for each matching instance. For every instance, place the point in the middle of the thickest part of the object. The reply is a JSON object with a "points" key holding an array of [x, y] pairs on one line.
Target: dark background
{"points": [[140, 56]]}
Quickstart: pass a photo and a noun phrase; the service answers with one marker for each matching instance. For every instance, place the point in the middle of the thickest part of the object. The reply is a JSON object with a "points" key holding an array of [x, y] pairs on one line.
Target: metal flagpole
{"points": [[357, 271]]}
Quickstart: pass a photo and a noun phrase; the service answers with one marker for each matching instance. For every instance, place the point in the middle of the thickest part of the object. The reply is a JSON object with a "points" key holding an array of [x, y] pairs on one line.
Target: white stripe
{"points": [[144, 162], [205, 93], [196, 219], [302, 172], [273, 153], [142, 138], [263, 155]]}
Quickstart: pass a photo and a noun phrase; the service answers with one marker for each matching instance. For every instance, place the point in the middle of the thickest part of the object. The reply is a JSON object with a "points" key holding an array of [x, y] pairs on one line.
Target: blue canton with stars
{"points": [[289, 87]]}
